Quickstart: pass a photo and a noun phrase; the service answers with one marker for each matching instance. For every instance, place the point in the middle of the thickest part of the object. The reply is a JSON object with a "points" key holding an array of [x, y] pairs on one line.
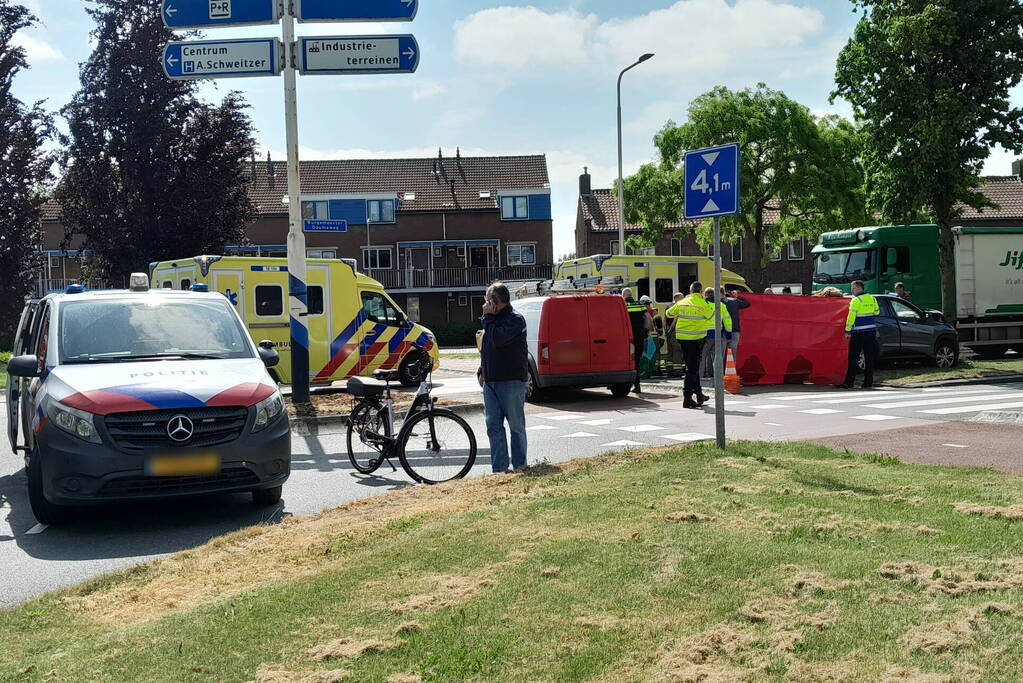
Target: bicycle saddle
{"points": [[386, 375], [358, 386]]}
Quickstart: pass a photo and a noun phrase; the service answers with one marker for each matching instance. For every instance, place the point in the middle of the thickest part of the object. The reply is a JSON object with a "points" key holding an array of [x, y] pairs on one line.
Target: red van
{"points": [[578, 341]]}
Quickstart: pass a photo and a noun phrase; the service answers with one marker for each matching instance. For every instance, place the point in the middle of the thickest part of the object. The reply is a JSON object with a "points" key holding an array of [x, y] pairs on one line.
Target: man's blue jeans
{"points": [[506, 401]]}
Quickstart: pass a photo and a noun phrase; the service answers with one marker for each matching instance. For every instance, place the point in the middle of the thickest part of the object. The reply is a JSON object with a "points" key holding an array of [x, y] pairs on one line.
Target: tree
{"points": [[930, 82], [24, 172], [151, 172], [802, 169]]}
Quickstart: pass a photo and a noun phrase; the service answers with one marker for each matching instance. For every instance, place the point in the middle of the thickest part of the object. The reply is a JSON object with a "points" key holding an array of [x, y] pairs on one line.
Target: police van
{"points": [[354, 326], [129, 395]]}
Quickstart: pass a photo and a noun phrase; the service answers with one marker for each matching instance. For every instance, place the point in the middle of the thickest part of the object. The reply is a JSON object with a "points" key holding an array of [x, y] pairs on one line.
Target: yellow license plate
{"points": [[183, 465]]}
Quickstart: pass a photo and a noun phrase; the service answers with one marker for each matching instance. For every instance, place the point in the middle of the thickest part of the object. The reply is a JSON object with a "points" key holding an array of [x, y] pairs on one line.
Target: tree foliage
{"points": [[930, 82], [151, 171], [800, 175], [24, 172]]}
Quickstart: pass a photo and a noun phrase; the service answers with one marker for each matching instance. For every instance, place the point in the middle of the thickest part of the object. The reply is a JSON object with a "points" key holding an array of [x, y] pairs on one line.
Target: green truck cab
{"points": [[989, 284]]}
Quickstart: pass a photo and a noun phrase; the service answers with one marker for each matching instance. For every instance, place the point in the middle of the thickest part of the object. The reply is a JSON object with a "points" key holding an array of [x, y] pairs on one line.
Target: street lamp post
{"points": [[621, 180]]}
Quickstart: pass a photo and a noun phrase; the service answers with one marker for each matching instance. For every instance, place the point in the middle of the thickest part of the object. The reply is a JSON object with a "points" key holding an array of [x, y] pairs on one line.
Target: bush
{"points": [[456, 334]]}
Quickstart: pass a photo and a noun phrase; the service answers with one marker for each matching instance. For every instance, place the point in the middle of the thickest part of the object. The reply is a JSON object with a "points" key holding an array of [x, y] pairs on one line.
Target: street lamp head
{"points": [[645, 57]]}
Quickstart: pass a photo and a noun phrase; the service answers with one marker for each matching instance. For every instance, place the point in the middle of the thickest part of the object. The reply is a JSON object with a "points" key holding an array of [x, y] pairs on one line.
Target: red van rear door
{"points": [[564, 343], [610, 334]]}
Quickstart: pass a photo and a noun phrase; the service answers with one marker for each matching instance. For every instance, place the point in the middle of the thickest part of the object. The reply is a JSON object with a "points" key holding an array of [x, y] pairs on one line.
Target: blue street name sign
{"points": [[325, 226], [222, 58], [179, 14], [712, 182], [392, 54], [357, 10]]}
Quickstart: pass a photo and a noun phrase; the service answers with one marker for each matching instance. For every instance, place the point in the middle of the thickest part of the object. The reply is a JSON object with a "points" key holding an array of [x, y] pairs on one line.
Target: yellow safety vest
{"points": [[726, 320], [692, 315], [863, 312]]}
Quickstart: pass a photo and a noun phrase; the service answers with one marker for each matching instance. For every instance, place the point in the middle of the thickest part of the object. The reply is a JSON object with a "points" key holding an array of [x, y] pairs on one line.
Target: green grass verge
{"points": [[462, 356], [967, 369], [768, 562], [4, 357]]}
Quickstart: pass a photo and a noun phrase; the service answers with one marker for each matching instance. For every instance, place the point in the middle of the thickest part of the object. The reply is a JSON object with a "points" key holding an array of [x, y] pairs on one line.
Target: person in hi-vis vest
{"points": [[861, 331]]}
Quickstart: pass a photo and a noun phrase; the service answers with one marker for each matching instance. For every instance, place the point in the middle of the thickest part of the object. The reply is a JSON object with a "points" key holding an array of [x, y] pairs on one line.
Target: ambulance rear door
{"points": [[320, 319], [265, 302]]}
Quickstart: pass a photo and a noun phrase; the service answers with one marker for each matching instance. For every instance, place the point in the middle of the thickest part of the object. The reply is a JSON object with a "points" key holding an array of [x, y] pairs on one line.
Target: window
{"points": [[269, 301], [315, 211], [642, 287], [901, 264], [42, 344], [676, 246], [646, 251], [614, 248], [380, 210], [796, 249], [521, 254], [379, 309], [664, 290], [186, 284], [776, 255], [376, 258], [412, 308], [167, 284], [737, 251], [710, 251], [321, 253], [463, 300], [904, 312], [314, 297], [514, 208]]}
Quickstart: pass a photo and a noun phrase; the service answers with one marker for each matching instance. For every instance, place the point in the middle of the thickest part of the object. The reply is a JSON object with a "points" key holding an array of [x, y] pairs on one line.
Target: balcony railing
{"points": [[449, 278], [46, 286]]}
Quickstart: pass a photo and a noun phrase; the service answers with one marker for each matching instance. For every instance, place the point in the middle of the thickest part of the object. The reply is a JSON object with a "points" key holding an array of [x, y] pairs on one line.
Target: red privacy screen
{"points": [[793, 339]]}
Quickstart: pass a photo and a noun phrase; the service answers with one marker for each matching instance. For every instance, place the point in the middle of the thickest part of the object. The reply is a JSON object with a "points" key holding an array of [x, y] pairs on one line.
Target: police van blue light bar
{"points": [[74, 289], [200, 287]]}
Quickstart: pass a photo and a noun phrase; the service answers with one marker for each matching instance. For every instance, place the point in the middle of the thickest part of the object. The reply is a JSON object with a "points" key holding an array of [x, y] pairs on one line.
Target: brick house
{"points": [[596, 232], [435, 231]]}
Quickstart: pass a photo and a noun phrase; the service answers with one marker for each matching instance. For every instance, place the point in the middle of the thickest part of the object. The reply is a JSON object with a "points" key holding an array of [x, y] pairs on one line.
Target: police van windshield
{"points": [[115, 330], [845, 266]]}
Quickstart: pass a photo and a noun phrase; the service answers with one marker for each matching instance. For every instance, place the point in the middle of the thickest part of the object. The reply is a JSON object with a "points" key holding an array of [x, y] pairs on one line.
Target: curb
{"points": [[1000, 417], [994, 379], [311, 426]]}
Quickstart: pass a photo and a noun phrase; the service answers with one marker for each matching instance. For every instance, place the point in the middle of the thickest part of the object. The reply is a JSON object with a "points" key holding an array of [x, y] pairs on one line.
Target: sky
{"points": [[535, 78]]}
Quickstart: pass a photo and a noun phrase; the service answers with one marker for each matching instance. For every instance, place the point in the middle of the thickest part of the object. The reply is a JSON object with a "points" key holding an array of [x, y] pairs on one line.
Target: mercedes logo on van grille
{"points": [[180, 428]]}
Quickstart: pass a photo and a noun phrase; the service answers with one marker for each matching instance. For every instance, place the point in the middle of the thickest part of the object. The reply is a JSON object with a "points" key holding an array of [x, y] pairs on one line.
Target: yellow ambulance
{"points": [[658, 277], [354, 327]]}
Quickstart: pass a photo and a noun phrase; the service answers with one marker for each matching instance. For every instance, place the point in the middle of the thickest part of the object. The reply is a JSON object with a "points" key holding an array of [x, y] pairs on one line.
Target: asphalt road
{"points": [[38, 559]]}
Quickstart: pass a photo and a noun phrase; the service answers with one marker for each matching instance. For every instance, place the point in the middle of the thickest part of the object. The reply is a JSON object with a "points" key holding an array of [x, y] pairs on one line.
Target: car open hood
{"points": [[105, 388]]}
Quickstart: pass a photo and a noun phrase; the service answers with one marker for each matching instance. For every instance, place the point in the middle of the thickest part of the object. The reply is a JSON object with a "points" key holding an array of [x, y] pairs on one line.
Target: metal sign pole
{"points": [[719, 370], [298, 301]]}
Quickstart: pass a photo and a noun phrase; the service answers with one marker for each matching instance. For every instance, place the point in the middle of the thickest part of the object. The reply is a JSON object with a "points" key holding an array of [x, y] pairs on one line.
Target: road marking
{"points": [[577, 435], [875, 418], [617, 444], [770, 406], [595, 423], [37, 529], [687, 437], [821, 411], [959, 410], [954, 445], [857, 400], [833, 394], [773, 424], [960, 390], [554, 416], [636, 429], [537, 428], [944, 401]]}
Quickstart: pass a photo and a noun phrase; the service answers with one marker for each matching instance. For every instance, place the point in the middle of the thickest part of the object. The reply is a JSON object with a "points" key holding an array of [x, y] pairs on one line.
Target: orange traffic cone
{"points": [[732, 383]]}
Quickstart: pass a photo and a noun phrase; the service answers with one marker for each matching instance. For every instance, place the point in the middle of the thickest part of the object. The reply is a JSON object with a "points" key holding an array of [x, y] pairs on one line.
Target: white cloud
{"points": [[691, 38], [519, 37], [37, 51], [426, 90], [1000, 162]]}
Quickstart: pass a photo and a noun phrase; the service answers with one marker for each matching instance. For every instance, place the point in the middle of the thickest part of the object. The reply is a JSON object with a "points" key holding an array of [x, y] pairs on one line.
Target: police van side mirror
{"points": [[23, 366], [268, 354]]}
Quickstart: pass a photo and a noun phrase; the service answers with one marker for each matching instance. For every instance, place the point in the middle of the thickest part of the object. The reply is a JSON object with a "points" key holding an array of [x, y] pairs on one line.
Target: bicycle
{"points": [[434, 444]]}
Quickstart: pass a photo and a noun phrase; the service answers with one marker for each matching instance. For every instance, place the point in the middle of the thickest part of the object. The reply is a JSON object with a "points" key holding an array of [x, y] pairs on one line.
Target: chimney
{"points": [[270, 169], [585, 183], [1017, 168]]}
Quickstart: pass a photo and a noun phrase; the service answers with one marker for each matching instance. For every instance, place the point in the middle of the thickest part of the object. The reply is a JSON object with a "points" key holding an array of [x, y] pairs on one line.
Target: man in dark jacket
{"points": [[505, 365]]}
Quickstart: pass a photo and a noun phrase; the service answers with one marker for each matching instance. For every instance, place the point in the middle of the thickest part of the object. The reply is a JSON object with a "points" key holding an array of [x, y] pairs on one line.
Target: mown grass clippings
{"points": [[823, 575]]}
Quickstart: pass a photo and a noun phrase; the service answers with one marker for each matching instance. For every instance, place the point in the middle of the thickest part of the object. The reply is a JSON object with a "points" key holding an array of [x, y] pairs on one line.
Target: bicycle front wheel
{"points": [[436, 446], [365, 456]]}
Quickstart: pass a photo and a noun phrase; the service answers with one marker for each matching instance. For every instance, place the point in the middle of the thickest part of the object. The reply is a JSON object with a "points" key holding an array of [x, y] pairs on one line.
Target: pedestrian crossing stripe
{"points": [[621, 444], [944, 401]]}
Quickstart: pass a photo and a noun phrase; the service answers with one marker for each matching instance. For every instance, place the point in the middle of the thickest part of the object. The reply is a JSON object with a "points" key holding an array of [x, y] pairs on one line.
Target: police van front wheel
{"points": [[267, 497], [45, 512], [414, 368]]}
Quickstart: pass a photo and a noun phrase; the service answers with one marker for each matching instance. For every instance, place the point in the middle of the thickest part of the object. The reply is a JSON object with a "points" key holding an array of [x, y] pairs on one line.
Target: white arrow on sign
{"points": [[170, 11], [410, 53], [407, 3], [711, 206], [711, 158], [171, 60]]}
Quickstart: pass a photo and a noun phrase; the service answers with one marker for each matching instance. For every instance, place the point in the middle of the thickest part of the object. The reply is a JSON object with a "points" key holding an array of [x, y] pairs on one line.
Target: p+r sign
{"points": [[712, 182]]}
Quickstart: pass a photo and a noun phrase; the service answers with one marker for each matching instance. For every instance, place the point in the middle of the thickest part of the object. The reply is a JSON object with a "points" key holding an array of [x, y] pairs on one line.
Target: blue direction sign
{"points": [[358, 54], [357, 10], [712, 182], [178, 14], [222, 58], [325, 226]]}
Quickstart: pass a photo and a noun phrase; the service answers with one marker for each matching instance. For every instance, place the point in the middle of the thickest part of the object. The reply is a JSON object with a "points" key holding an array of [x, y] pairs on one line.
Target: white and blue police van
{"points": [[126, 395]]}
